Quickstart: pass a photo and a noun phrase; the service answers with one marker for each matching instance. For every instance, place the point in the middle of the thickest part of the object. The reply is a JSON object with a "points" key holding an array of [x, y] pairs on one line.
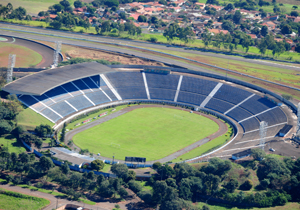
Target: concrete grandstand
{"points": [[60, 93]]}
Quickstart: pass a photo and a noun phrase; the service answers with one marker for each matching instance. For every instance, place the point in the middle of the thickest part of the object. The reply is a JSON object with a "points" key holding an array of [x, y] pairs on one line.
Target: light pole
{"points": [[113, 159]]}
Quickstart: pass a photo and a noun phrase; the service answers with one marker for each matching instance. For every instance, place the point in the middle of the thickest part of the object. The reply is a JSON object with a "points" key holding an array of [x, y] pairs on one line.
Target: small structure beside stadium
{"points": [[283, 131], [241, 154]]}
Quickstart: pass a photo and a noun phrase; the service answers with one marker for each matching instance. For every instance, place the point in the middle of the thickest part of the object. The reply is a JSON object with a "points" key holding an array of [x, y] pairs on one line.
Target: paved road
{"points": [[221, 131], [145, 45]]}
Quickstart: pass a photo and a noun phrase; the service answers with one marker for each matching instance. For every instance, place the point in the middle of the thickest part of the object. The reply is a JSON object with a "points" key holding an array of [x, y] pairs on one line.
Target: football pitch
{"points": [[153, 133]]}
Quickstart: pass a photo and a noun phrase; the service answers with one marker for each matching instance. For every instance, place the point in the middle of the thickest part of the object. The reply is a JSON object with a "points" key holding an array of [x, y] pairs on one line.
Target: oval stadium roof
{"points": [[41, 82]]}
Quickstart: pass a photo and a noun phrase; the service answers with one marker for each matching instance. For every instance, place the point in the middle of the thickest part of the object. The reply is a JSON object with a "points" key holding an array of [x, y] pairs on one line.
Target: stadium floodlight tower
{"points": [[10, 69], [56, 53], [262, 134], [298, 122]]}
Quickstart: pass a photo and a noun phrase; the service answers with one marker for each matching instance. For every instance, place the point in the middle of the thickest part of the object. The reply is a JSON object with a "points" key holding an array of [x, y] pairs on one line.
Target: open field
{"points": [[204, 148], [21, 201], [147, 132], [30, 119], [33, 6], [25, 57], [12, 144]]}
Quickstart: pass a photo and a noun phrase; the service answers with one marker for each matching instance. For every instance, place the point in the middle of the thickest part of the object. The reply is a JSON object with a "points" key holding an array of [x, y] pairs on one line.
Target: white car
{"points": [[272, 150]]}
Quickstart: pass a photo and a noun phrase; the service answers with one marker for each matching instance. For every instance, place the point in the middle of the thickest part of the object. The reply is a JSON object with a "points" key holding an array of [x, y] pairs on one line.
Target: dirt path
{"points": [[222, 130]]}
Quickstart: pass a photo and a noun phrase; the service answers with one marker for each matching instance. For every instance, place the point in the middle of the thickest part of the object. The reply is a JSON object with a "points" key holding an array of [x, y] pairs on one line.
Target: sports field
{"points": [[153, 133]]}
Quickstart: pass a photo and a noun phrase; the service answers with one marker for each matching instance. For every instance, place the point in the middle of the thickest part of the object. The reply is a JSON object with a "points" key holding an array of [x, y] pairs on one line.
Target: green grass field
{"points": [[204, 148], [22, 202], [153, 133], [25, 57], [30, 119], [12, 144], [33, 6]]}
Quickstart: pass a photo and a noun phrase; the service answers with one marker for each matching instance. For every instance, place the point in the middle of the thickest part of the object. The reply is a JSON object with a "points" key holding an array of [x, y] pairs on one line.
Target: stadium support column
{"points": [[10, 68], [262, 134], [298, 122], [56, 53]]}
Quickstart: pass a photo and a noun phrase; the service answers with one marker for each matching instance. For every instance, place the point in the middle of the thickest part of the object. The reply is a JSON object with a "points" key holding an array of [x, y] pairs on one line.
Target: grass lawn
{"points": [[214, 206], [25, 57], [30, 119], [147, 132], [33, 6], [12, 144], [21, 202], [204, 148]]}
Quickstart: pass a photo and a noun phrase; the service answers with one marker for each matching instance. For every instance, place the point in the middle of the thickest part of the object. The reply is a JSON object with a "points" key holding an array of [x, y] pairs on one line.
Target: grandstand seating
{"points": [[257, 104], [226, 92], [250, 124], [87, 92], [218, 105], [162, 94], [196, 85], [169, 81], [190, 98]]}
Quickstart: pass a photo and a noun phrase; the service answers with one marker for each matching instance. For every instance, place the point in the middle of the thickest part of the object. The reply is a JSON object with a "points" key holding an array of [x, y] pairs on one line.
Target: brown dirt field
{"points": [[78, 52]]}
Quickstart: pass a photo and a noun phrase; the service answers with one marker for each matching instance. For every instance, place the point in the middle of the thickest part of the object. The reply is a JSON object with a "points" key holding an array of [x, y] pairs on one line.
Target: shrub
{"points": [[247, 185], [134, 186]]}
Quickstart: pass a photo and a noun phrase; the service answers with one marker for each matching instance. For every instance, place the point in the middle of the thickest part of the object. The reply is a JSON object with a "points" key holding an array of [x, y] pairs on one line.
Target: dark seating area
{"points": [[250, 124], [190, 98], [231, 94], [239, 114], [162, 94], [218, 105], [169, 81], [126, 79], [257, 104], [197, 85], [273, 117], [130, 85], [132, 92]]}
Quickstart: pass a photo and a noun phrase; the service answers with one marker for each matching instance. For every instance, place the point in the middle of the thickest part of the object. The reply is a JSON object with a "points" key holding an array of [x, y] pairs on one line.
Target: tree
{"points": [[237, 17], [45, 163], [156, 165], [247, 185], [142, 18], [77, 4], [227, 25], [56, 25], [294, 13], [231, 185], [264, 31], [65, 168], [229, 7], [18, 131], [24, 157], [111, 3], [63, 133], [43, 130], [120, 170], [97, 165], [138, 31], [57, 8], [258, 154], [5, 127], [122, 192], [38, 143], [297, 48], [105, 27], [185, 189], [171, 32], [286, 29], [65, 3]]}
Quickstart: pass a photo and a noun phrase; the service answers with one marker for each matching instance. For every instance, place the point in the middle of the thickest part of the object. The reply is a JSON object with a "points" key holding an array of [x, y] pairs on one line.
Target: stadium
{"points": [[63, 93]]}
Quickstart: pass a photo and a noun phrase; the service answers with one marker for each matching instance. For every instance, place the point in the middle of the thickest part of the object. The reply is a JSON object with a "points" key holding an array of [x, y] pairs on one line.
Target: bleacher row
{"points": [[77, 95]]}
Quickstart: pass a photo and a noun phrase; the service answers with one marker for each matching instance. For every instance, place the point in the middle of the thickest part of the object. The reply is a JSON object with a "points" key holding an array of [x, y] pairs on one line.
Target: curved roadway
{"points": [[58, 35]]}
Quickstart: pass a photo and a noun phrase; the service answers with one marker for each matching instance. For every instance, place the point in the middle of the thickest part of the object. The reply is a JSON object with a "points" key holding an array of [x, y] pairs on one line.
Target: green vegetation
{"points": [[30, 119], [11, 200], [25, 57], [12, 144], [82, 60], [77, 122], [213, 144], [147, 132], [32, 6]]}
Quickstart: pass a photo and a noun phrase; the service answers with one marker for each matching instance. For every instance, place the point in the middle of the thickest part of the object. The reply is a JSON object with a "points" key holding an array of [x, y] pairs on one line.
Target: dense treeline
{"points": [[82, 60]]}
